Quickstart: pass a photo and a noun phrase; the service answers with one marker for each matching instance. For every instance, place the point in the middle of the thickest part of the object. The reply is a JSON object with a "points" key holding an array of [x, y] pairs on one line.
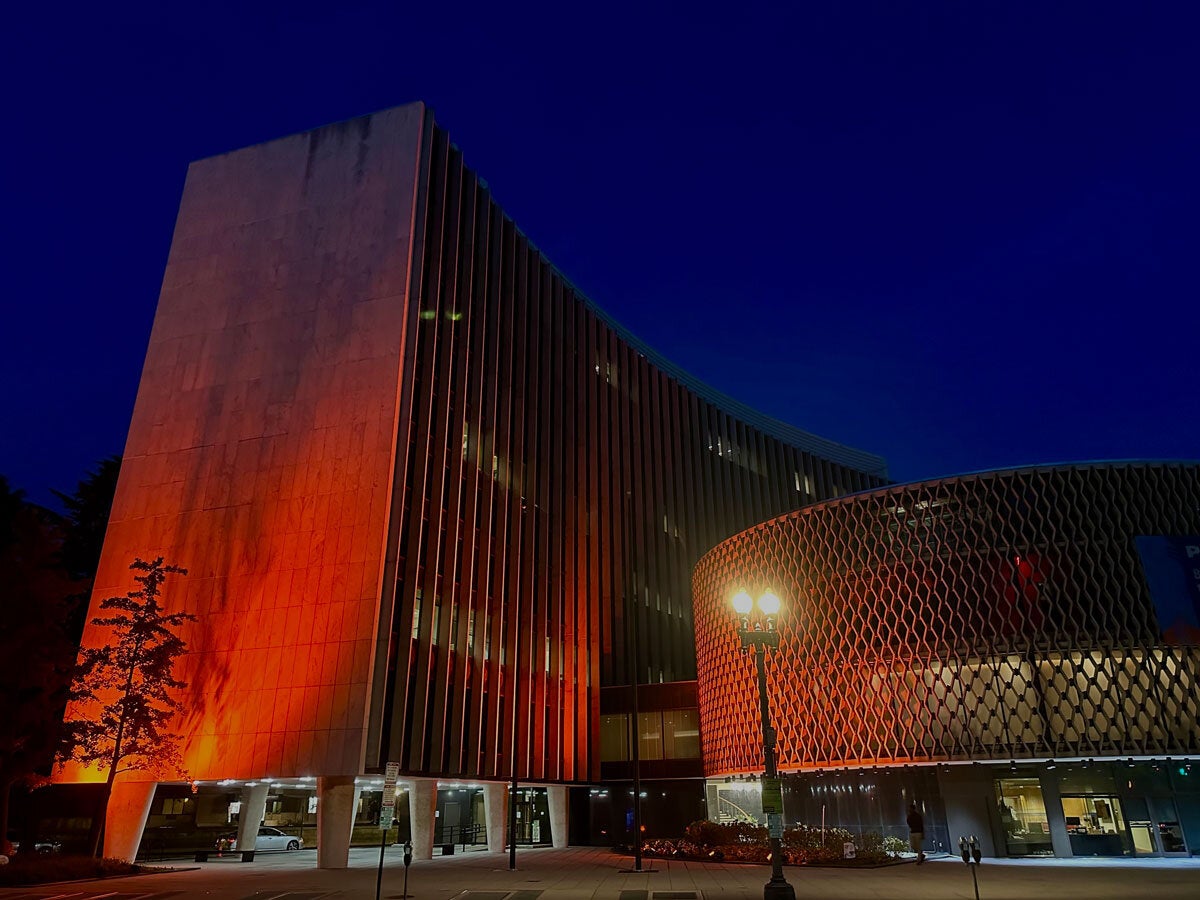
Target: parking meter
{"points": [[969, 849], [971, 854], [407, 863]]}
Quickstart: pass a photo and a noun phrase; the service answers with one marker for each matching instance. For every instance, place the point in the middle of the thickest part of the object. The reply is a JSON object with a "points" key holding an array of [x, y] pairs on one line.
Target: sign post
{"points": [[772, 796], [387, 814]]}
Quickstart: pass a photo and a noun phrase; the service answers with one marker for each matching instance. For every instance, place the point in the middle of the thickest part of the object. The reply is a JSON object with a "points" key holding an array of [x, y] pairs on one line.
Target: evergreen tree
{"points": [[87, 513], [123, 698], [37, 655]]}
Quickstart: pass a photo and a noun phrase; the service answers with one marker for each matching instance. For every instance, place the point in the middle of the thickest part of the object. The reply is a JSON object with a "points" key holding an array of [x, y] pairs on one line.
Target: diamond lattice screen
{"points": [[993, 616]]}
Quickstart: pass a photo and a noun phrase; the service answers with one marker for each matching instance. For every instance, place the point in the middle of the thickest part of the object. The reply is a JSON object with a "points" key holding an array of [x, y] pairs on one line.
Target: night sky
{"points": [[959, 235]]}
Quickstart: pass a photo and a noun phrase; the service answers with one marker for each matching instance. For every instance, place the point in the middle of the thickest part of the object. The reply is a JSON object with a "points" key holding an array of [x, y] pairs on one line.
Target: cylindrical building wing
{"points": [[1003, 615]]}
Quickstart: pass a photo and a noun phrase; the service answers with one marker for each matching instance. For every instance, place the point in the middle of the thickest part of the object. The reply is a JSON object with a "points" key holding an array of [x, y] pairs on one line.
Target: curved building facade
{"points": [[1028, 615], [425, 489]]}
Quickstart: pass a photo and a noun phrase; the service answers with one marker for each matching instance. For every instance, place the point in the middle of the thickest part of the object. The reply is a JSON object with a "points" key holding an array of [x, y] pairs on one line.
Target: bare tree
{"points": [[123, 697]]}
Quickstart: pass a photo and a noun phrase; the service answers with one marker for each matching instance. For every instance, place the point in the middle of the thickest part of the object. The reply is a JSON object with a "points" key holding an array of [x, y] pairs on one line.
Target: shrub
{"points": [[706, 833], [802, 844], [871, 847]]}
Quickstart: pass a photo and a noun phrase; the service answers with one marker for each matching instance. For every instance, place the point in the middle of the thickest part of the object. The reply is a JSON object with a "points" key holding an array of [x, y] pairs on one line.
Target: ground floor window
{"points": [[1095, 825], [1023, 817]]}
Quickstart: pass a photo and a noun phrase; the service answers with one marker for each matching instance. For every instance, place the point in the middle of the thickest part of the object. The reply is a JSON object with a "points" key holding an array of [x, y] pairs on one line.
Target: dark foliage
{"points": [[745, 842], [87, 513], [37, 655]]}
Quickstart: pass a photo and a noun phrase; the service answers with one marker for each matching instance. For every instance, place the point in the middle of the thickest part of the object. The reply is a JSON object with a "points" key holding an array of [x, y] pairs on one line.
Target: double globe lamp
{"points": [[757, 633]]}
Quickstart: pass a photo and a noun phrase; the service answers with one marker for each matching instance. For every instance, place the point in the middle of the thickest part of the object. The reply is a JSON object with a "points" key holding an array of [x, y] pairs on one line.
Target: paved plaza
{"points": [[596, 874]]}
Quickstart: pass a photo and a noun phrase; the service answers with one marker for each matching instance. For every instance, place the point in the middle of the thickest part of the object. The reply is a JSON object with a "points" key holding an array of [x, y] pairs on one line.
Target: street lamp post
{"points": [[756, 637]]}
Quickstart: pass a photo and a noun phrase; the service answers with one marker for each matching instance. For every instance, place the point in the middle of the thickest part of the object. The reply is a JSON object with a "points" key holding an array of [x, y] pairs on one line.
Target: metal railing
{"points": [[463, 836]]}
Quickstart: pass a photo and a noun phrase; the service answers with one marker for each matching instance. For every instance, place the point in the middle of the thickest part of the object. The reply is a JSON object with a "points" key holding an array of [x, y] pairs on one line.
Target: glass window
{"points": [[1095, 825], [614, 738], [1023, 817], [681, 734], [650, 742], [671, 734]]}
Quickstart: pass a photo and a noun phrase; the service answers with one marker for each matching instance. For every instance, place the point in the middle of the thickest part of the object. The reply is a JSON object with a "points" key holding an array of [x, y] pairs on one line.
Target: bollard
{"points": [[971, 854]]}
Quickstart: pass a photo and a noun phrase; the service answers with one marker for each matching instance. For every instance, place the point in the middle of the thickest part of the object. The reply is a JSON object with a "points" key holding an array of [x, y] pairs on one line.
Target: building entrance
{"points": [[533, 817], [1154, 827]]}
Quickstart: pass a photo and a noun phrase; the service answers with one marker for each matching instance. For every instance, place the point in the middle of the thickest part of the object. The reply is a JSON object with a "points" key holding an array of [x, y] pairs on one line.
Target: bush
{"points": [[894, 846], [802, 844], [706, 833], [40, 868]]}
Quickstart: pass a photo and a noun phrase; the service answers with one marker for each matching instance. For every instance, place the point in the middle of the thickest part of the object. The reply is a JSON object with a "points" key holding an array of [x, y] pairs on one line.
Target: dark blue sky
{"points": [[960, 235]]}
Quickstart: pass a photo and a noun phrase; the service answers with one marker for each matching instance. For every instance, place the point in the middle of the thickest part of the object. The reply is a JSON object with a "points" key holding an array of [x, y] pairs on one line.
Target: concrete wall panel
{"points": [[262, 445]]}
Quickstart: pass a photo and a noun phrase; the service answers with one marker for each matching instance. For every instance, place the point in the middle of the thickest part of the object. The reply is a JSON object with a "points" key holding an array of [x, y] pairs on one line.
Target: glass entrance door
{"points": [[1141, 829], [1166, 822]]}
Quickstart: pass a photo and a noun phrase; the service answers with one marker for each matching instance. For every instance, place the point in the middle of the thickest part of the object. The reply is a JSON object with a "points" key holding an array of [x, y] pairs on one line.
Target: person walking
{"points": [[916, 831]]}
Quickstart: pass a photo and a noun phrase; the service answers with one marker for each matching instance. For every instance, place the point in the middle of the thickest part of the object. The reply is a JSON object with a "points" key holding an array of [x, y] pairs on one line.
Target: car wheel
{"points": [[293, 845]]}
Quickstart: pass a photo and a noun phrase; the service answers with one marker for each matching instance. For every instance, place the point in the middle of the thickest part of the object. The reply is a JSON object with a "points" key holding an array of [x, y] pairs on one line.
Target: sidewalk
{"points": [[595, 874]]}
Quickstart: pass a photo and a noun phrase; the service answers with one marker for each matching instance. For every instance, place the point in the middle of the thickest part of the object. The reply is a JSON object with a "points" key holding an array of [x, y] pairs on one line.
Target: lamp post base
{"points": [[778, 890]]}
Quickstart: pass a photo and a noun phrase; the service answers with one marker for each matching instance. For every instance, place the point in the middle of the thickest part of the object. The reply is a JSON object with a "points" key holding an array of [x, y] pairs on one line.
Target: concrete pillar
{"points": [[254, 807], [556, 797], [353, 809], [970, 802], [422, 806], [495, 811], [335, 814], [128, 809], [1052, 797]]}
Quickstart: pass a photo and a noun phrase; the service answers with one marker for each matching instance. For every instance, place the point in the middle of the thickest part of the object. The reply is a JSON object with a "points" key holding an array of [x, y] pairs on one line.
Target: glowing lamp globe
{"points": [[742, 603], [769, 604]]}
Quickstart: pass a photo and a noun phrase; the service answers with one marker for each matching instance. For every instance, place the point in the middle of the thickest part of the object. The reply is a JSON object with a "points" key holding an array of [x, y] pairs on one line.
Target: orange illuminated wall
{"points": [[261, 451], [421, 483], [1002, 615]]}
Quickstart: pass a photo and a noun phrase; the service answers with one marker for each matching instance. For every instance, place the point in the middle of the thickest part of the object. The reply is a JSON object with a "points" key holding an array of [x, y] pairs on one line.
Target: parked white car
{"points": [[268, 839]]}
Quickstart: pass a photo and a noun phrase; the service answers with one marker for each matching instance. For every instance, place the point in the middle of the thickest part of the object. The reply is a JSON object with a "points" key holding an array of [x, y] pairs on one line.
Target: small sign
{"points": [[775, 825], [849, 851], [772, 796], [387, 811]]}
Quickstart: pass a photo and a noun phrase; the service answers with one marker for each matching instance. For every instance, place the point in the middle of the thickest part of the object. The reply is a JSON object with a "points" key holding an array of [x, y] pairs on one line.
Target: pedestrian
{"points": [[916, 831]]}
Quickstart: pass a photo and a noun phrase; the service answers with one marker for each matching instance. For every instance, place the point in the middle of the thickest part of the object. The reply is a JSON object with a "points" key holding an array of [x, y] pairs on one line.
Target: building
{"points": [[426, 491], [1017, 650]]}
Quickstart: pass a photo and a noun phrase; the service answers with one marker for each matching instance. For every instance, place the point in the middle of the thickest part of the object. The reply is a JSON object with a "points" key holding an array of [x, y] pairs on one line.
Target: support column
{"points": [[335, 815], [495, 812], [128, 809], [254, 807], [1052, 798], [353, 808], [556, 797], [422, 806]]}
